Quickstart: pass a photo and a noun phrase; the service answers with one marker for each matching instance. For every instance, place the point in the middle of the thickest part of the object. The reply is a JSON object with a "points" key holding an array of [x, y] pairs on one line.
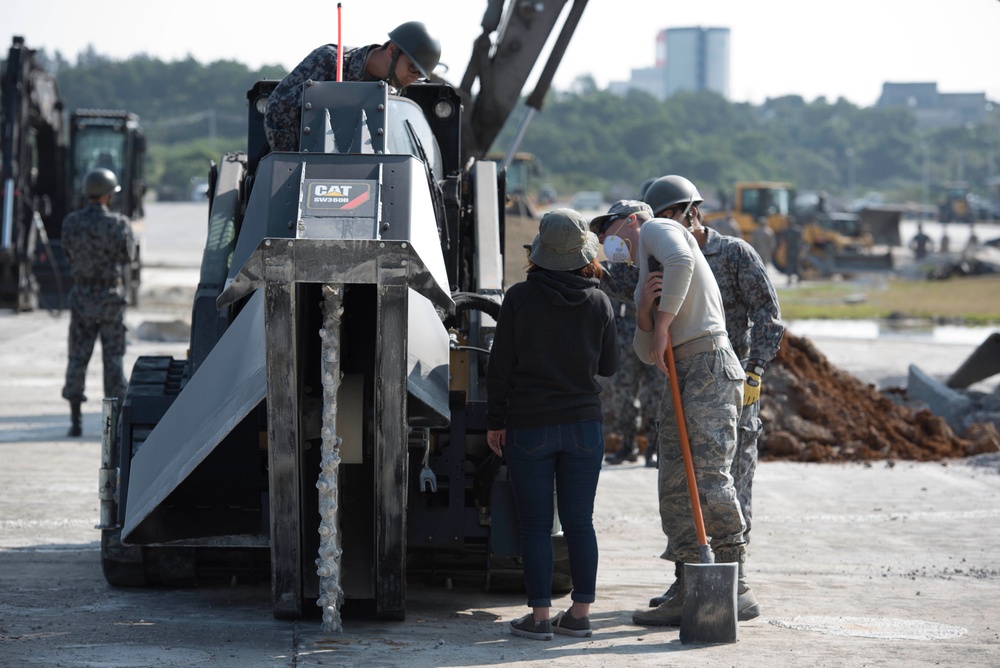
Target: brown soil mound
{"points": [[814, 412]]}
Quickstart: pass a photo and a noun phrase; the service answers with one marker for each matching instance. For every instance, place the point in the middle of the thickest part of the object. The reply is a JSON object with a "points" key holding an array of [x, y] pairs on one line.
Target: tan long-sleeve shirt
{"points": [[690, 291]]}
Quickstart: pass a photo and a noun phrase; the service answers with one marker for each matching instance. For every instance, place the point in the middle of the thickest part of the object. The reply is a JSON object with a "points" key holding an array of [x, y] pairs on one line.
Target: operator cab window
{"points": [[418, 142]]}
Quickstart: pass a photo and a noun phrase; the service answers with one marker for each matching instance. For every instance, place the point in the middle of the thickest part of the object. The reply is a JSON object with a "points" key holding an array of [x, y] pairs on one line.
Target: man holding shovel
{"points": [[690, 316], [753, 323]]}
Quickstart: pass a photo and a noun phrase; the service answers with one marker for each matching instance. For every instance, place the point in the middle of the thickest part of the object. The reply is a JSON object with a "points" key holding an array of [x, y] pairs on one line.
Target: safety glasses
{"points": [[606, 224]]}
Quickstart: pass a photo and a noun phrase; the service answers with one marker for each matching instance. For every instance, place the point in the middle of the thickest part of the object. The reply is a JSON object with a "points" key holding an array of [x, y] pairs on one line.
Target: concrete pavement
{"points": [[891, 565], [885, 565]]}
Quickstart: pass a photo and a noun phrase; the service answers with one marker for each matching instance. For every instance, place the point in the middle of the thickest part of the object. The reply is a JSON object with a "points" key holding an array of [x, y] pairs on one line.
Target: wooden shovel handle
{"points": [[675, 392]]}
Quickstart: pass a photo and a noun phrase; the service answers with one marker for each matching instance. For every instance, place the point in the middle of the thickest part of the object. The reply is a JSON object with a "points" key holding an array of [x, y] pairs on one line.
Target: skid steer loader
{"points": [[326, 430]]}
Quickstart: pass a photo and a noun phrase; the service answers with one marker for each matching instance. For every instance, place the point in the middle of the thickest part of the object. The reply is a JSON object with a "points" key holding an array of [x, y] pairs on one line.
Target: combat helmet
{"points": [[413, 39], [668, 191], [99, 182], [644, 186]]}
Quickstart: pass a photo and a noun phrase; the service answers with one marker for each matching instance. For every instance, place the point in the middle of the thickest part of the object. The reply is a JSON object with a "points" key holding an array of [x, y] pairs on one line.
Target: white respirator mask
{"points": [[617, 249]]}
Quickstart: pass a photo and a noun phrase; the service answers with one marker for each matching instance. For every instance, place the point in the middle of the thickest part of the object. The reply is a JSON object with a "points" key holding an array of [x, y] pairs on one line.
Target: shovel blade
{"points": [[710, 612]]}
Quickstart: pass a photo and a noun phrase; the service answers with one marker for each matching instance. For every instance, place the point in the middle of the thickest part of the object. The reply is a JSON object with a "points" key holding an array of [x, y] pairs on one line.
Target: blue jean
{"points": [[568, 456]]}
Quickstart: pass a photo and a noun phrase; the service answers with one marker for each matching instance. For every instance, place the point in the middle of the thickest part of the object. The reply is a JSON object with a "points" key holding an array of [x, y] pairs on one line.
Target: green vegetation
{"points": [[585, 139], [970, 300], [593, 140], [191, 113]]}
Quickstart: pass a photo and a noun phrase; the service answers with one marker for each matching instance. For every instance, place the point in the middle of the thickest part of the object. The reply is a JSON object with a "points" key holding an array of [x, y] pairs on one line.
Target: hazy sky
{"points": [[847, 48]]}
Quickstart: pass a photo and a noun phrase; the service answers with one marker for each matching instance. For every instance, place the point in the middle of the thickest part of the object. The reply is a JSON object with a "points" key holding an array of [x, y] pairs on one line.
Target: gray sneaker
{"points": [[527, 627], [569, 625]]}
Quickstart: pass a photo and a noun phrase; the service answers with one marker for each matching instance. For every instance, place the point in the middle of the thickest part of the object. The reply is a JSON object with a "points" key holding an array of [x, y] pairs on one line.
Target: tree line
{"points": [[585, 138], [191, 113], [590, 139]]}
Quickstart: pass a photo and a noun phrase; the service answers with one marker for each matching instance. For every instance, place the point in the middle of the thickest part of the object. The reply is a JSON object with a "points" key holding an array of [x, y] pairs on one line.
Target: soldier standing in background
{"points": [[793, 250], [921, 243], [633, 393], [99, 245], [764, 241]]}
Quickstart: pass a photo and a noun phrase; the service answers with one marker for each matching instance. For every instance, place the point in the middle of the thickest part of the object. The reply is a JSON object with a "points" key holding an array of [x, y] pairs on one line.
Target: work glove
{"points": [[751, 388]]}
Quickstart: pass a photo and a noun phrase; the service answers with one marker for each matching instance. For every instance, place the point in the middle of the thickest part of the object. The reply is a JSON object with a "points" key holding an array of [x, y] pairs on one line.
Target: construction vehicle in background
{"points": [[520, 177], [832, 241], [107, 138], [32, 141], [955, 206], [327, 428], [113, 139], [44, 159], [838, 242], [754, 201]]}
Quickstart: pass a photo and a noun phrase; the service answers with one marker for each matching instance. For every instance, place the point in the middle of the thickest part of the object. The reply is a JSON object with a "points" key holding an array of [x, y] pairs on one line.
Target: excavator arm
{"points": [[33, 170], [501, 65]]}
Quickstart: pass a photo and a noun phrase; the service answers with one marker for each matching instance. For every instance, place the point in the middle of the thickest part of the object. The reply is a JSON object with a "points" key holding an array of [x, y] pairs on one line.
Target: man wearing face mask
{"points": [[636, 388], [691, 317], [410, 54]]}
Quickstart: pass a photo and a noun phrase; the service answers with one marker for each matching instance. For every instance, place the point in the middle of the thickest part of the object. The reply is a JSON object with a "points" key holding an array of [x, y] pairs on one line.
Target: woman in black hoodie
{"points": [[555, 333]]}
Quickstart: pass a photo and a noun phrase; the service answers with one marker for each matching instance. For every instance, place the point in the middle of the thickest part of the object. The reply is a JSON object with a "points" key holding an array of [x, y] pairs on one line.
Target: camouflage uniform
{"points": [[98, 243], [633, 394], [710, 380], [753, 323], [282, 119], [711, 414]]}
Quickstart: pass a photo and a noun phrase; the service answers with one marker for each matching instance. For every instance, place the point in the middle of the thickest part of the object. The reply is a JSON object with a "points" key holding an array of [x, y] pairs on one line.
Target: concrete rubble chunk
{"points": [[941, 400]]}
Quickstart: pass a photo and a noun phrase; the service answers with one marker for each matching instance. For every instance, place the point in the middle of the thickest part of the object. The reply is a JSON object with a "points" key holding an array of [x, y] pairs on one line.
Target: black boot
{"points": [[627, 453], [653, 435], [675, 588], [651, 456], [76, 420]]}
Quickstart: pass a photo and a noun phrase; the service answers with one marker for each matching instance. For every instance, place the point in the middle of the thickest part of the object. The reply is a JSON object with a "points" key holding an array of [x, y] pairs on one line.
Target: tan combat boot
{"points": [[746, 603], [668, 608]]}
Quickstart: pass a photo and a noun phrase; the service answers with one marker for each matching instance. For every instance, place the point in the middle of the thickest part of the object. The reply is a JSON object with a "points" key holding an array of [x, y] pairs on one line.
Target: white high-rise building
{"points": [[691, 59], [695, 59]]}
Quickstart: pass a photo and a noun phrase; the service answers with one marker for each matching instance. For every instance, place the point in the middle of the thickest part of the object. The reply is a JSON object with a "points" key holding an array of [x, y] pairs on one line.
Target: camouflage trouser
{"points": [[711, 385], [745, 461], [632, 397], [85, 325]]}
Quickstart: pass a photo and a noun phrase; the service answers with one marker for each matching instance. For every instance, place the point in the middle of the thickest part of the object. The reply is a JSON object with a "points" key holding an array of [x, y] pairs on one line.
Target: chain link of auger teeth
{"points": [[331, 592]]}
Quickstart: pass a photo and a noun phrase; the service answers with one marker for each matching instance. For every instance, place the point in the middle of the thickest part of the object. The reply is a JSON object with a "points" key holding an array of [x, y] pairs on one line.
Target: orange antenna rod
{"points": [[340, 46]]}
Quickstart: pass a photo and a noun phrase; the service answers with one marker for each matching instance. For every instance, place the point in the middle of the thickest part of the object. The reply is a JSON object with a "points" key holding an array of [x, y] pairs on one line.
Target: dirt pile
{"points": [[815, 412]]}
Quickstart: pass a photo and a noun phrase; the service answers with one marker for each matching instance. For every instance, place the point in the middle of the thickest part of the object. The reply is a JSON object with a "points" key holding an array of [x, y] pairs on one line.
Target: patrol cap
{"points": [[620, 209]]}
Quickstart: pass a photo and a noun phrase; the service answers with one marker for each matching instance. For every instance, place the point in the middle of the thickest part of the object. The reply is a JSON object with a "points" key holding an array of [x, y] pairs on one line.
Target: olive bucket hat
{"points": [[563, 243]]}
